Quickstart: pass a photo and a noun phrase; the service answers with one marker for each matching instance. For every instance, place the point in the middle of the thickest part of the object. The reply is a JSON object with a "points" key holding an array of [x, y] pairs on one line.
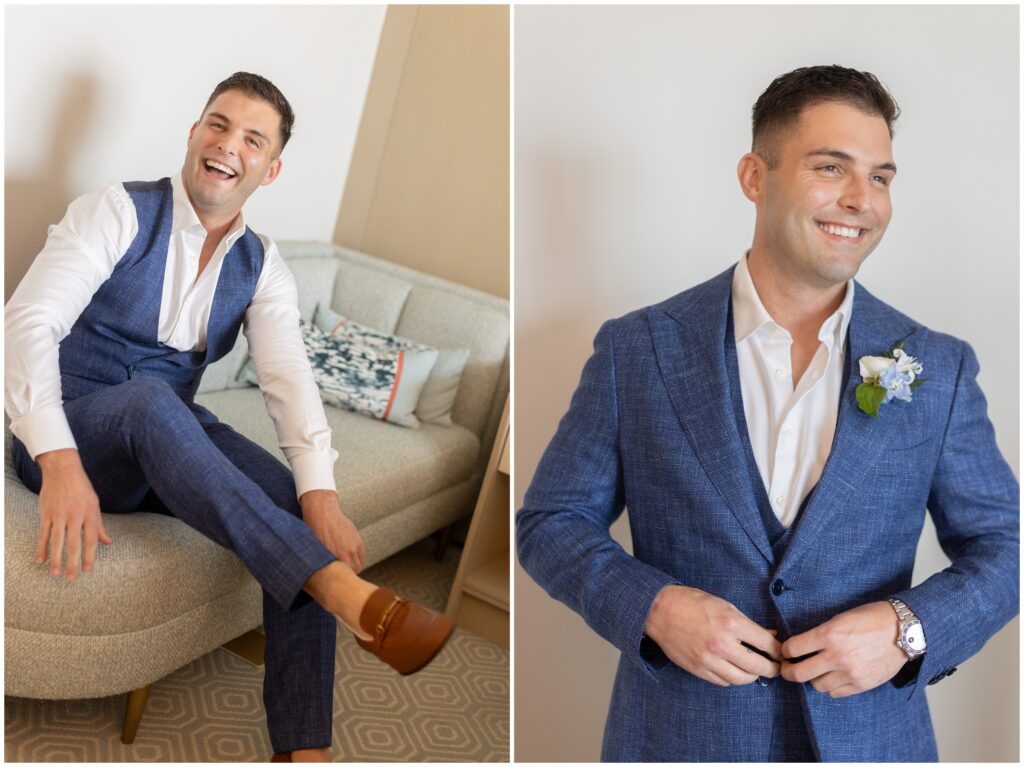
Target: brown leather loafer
{"points": [[281, 758], [404, 635]]}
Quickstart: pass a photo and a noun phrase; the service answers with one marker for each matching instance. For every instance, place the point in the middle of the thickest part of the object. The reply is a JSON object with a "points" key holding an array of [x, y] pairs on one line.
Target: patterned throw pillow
{"points": [[377, 380], [438, 395]]}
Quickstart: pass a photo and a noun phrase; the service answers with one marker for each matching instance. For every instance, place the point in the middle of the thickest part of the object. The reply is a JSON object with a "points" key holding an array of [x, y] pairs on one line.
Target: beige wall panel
{"points": [[438, 200]]}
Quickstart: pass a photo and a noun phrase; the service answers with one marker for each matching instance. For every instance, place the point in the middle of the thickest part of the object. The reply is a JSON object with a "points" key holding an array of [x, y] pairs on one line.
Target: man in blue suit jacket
{"points": [[757, 624]]}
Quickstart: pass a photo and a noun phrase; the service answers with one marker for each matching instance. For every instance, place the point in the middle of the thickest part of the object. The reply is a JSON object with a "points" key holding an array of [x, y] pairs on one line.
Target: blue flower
{"points": [[896, 384]]}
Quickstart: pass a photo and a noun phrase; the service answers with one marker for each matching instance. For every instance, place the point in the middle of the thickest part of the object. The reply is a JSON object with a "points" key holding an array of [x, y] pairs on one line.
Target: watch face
{"points": [[913, 637]]}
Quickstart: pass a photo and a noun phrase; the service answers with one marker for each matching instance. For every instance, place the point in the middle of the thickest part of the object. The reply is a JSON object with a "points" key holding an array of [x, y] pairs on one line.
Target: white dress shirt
{"points": [[790, 429], [81, 253]]}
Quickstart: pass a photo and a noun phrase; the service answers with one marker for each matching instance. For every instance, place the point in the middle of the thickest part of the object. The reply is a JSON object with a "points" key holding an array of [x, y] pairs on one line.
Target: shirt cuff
{"points": [[314, 470], [43, 430]]}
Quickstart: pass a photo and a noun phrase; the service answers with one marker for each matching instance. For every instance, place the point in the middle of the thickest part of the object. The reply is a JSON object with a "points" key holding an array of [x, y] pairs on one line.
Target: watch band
{"points": [[904, 612]]}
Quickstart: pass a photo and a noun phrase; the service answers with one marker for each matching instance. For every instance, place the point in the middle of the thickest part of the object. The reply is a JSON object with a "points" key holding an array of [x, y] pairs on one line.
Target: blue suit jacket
{"points": [[653, 427]]}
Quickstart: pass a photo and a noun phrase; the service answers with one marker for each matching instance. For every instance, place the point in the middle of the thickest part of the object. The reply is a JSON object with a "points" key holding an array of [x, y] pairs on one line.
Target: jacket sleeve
{"points": [[562, 530], [974, 502]]}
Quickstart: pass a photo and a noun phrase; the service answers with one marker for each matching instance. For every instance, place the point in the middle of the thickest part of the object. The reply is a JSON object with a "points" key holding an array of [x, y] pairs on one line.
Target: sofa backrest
{"points": [[398, 300]]}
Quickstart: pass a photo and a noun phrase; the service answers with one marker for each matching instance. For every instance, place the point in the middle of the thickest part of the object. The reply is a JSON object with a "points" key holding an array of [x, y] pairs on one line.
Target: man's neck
{"points": [[799, 308]]}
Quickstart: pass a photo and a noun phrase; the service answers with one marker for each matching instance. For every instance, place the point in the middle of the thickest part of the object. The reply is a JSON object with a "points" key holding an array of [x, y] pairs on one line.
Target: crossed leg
{"points": [[140, 439]]}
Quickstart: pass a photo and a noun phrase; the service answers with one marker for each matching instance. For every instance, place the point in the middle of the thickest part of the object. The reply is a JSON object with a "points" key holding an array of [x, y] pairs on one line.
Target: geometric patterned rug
{"points": [[454, 710]]}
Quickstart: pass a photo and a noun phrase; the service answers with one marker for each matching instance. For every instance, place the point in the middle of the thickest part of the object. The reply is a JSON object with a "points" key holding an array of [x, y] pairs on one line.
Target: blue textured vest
{"points": [[115, 338]]}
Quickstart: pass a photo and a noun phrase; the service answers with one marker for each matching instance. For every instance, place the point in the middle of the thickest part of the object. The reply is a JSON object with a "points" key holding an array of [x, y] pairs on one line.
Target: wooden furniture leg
{"points": [[442, 543], [133, 712]]}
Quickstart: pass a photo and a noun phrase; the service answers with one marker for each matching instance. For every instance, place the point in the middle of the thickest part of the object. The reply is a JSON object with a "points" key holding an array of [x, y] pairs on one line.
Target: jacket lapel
{"points": [[859, 440], [689, 336]]}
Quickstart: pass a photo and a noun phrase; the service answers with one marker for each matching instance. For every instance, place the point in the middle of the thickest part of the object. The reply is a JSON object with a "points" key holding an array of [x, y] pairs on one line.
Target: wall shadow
{"points": [[33, 203]]}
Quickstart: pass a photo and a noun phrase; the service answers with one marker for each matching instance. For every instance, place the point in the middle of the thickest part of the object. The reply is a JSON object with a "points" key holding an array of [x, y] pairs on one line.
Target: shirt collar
{"points": [[749, 314], [183, 215]]}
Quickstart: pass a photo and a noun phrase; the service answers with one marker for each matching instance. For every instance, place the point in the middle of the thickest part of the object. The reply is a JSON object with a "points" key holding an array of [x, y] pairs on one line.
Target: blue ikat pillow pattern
{"points": [[438, 395], [383, 381]]}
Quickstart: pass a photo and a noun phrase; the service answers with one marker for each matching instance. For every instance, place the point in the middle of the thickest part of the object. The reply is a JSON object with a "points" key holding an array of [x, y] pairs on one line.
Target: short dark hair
{"points": [[259, 87], [785, 99]]}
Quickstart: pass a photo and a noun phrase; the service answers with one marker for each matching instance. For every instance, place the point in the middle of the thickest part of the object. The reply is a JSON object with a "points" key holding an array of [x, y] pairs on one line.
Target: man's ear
{"points": [[192, 130], [751, 171], [272, 172]]}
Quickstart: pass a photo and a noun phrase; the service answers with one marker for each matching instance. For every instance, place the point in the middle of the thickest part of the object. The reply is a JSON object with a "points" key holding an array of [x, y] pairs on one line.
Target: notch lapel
{"points": [[859, 440], [689, 336]]}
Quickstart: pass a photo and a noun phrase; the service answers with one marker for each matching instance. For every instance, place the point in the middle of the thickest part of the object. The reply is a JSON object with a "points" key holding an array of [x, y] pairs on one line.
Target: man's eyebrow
{"points": [[846, 157], [226, 119]]}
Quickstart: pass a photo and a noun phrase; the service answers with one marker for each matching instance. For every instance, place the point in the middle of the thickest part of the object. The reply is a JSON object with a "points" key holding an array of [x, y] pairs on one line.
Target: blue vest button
{"points": [[778, 587]]}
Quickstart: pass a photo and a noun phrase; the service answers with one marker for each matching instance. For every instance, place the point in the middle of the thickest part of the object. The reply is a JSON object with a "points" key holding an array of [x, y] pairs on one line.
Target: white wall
{"points": [[629, 123], [96, 94]]}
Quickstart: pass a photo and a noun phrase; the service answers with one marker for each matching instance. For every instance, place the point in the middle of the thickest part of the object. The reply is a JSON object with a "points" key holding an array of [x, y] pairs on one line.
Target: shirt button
{"points": [[786, 430], [776, 333], [780, 501], [781, 372], [778, 587]]}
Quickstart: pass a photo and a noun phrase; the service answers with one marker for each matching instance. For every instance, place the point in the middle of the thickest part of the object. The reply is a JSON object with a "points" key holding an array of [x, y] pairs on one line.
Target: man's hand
{"points": [[320, 510], [701, 633], [68, 508], [855, 651]]}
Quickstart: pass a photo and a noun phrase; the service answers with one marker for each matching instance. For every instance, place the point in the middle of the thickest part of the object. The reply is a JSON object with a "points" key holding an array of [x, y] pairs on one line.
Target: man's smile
{"points": [[841, 233], [218, 170]]}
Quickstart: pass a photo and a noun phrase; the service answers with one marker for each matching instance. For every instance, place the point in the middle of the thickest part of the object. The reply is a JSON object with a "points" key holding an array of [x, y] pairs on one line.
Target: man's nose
{"points": [[856, 196], [229, 143]]}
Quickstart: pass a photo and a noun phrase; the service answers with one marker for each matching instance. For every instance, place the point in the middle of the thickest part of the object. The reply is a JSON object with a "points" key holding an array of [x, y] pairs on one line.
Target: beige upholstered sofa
{"points": [[162, 595]]}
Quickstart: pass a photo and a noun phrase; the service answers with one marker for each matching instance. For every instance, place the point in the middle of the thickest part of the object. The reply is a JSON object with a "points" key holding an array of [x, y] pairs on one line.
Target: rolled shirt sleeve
{"points": [[285, 377], [79, 255]]}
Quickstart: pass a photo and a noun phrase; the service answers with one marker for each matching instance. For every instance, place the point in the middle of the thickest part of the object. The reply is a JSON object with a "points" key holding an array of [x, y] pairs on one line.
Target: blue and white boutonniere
{"points": [[893, 375]]}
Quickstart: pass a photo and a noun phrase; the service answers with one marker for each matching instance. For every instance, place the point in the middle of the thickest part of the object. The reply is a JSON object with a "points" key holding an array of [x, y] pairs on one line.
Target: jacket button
{"points": [[778, 587], [762, 681]]}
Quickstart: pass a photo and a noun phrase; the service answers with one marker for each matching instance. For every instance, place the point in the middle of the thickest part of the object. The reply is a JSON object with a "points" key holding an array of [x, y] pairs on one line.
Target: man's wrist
{"points": [[59, 460]]}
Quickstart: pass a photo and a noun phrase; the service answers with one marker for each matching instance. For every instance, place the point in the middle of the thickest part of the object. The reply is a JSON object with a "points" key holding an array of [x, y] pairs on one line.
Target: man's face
{"points": [[827, 205], [231, 151]]}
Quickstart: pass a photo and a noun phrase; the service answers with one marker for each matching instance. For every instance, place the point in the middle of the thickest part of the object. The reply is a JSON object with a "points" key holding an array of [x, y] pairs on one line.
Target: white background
{"points": [[629, 123], [96, 94]]}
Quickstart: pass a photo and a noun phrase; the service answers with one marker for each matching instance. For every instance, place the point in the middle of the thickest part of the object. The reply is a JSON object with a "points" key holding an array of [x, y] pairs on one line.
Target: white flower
{"points": [[871, 368], [907, 364]]}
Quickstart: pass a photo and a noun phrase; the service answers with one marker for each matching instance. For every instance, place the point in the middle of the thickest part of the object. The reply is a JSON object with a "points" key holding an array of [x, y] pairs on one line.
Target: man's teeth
{"points": [[217, 166], [842, 231]]}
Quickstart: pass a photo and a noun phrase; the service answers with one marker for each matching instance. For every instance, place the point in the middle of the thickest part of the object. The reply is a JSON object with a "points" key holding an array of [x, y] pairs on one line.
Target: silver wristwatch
{"points": [[911, 634]]}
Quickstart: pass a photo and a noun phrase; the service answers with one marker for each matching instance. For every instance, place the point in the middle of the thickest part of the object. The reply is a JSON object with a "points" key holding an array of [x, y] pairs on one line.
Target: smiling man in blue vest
{"points": [[137, 290], [776, 434]]}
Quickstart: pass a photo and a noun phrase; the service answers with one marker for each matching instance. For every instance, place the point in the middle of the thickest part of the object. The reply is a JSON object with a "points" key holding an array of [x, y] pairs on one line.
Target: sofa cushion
{"points": [[370, 296], [314, 278], [439, 392], [442, 318], [146, 547], [381, 469]]}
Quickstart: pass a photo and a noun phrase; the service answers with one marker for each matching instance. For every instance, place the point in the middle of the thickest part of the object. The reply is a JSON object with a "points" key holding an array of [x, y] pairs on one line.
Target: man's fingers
{"points": [[74, 552], [56, 548], [845, 691], [752, 662], [44, 537], [806, 670], [104, 538], [731, 673], [833, 680], [89, 551], [761, 638], [803, 644]]}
